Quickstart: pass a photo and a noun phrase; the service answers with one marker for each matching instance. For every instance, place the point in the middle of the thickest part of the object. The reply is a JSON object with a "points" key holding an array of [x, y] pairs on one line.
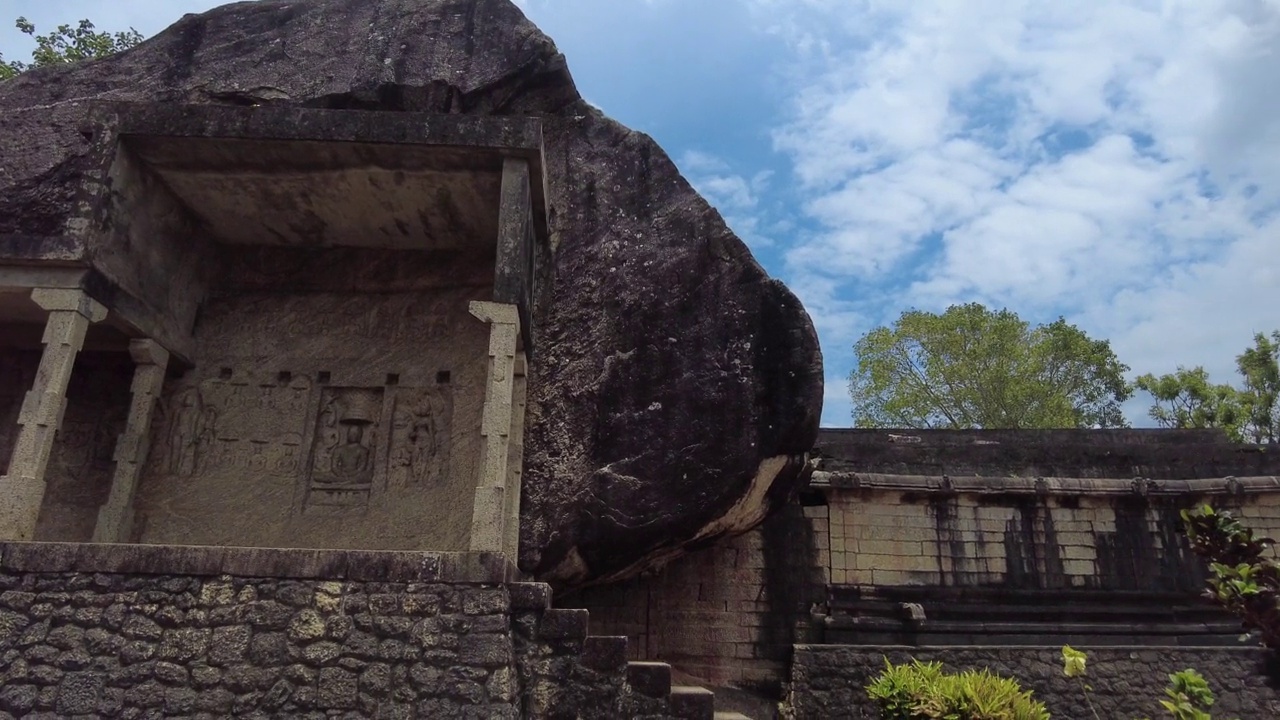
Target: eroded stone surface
{"points": [[670, 377]]}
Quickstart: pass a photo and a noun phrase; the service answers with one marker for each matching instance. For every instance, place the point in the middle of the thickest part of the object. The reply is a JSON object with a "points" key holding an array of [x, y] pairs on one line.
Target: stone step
{"points": [[604, 653], [563, 624], [690, 702], [529, 596], [730, 716], [651, 679]]}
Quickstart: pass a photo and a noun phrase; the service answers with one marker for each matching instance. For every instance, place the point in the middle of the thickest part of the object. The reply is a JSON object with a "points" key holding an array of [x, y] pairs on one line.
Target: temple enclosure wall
{"points": [[151, 631], [245, 634], [828, 680], [1026, 545]]}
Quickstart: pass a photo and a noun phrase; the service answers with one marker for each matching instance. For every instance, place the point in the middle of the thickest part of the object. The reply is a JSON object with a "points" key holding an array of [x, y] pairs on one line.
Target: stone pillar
{"points": [[22, 488], [515, 460], [488, 516], [115, 518]]}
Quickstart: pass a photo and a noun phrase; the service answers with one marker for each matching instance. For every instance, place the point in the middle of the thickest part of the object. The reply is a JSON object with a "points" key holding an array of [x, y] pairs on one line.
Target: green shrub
{"points": [[922, 691]]}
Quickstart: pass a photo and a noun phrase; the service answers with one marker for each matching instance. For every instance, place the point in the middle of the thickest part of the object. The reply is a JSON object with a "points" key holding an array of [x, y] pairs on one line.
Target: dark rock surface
{"points": [[674, 388]]}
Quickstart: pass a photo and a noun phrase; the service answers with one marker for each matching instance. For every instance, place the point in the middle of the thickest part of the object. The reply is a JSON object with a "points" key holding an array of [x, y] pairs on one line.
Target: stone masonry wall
{"points": [[1078, 540], [828, 681], [205, 644], [727, 615]]}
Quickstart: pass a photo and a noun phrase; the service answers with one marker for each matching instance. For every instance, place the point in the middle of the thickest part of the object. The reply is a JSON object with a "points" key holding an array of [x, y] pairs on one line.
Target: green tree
{"points": [[971, 367], [1249, 413], [1186, 399], [1260, 397], [68, 44]]}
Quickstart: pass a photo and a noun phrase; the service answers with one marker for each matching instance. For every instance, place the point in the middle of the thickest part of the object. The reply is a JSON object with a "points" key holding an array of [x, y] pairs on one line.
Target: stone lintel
{"points": [[44, 275], [137, 318], [508, 134], [288, 563], [69, 300], [148, 352], [45, 249]]}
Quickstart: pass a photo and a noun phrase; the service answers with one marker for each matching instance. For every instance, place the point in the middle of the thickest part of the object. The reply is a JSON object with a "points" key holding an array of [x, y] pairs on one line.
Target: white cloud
{"points": [[735, 195], [1114, 162]]}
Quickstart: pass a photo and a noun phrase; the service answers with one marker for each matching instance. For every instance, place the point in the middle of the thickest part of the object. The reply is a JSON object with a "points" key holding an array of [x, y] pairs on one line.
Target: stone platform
{"points": [[137, 631]]}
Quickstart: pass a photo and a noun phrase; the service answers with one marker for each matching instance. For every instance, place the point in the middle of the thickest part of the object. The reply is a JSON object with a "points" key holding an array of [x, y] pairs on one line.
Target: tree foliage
{"points": [[68, 44], [1245, 579], [1249, 413], [1186, 399], [971, 367]]}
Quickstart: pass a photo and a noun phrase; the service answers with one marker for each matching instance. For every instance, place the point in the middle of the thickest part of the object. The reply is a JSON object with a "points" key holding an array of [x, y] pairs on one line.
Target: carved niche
{"points": [[341, 444]]}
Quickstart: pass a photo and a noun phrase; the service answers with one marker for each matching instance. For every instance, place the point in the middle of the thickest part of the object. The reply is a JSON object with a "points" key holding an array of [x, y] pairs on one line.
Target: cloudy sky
{"points": [[1116, 163]]}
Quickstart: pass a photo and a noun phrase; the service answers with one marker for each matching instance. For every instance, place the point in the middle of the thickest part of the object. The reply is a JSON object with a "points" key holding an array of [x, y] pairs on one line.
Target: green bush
{"points": [[922, 691]]}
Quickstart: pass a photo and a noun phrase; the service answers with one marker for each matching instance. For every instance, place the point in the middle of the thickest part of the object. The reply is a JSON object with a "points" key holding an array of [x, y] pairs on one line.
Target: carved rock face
{"points": [[674, 388]]}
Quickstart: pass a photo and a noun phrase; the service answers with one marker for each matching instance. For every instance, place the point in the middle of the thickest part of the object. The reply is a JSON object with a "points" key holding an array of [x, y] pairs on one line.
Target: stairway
{"points": [[567, 673]]}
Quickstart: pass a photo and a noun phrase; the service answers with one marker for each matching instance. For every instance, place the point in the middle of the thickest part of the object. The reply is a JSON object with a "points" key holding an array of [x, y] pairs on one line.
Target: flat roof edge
{"points": [[518, 135]]}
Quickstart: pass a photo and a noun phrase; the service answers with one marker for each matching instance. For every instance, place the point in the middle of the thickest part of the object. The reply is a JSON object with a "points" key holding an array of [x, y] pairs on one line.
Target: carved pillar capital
{"points": [[69, 300]]}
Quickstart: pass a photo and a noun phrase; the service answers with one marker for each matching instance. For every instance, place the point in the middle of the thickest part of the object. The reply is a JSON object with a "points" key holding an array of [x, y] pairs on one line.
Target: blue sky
{"points": [[1112, 162]]}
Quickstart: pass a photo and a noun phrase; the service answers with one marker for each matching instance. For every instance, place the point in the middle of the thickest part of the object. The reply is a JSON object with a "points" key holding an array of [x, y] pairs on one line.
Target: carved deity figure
{"points": [[189, 428], [350, 460], [421, 439]]}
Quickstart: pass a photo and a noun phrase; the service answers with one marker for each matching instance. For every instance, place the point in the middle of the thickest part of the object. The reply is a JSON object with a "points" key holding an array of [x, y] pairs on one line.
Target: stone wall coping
{"points": [[291, 563], [832, 647], [977, 484]]}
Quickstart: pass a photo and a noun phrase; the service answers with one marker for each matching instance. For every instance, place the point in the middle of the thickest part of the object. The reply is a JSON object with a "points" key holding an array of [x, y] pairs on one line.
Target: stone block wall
{"points": [[1063, 539], [828, 681], [727, 615], [217, 639]]}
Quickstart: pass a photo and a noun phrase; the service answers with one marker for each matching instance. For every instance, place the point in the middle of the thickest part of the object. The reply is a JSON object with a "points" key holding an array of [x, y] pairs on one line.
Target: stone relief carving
{"points": [[421, 436], [340, 443], [343, 457], [235, 424], [191, 425]]}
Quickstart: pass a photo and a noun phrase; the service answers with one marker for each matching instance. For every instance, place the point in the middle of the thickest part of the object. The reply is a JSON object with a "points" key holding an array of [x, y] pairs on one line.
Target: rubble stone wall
{"points": [[214, 644], [829, 681]]}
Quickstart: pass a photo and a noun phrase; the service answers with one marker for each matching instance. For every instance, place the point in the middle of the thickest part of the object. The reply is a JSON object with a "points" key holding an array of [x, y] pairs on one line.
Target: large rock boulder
{"points": [[675, 388]]}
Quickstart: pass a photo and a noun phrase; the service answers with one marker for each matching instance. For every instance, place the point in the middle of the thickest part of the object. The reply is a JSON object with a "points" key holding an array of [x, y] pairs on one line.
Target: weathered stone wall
{"points": [[1061, 540], [727, 615], [828, 681], [1033, 509], [235, 644], [302, 357], [145, 631]]}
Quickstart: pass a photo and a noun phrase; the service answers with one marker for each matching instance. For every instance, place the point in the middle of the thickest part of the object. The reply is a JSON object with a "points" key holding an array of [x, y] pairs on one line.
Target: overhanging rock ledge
{"points": [[674, 388]]}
